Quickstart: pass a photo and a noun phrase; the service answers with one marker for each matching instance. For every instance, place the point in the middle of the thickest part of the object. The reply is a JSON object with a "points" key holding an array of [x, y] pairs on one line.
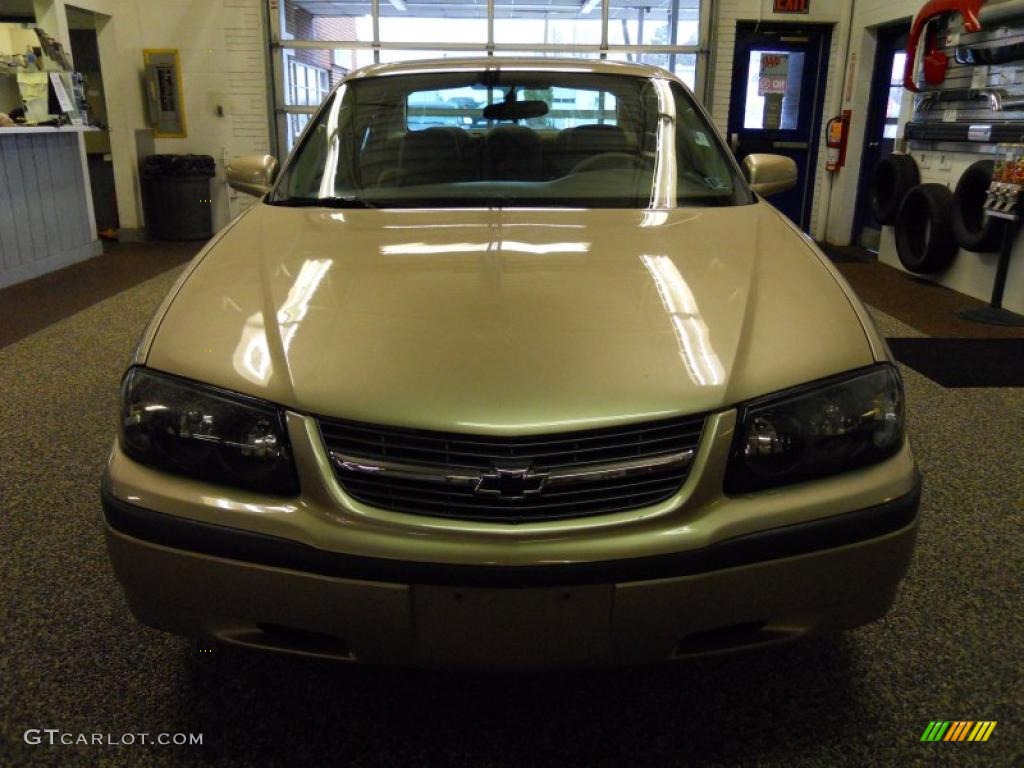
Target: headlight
{"points": [[816, 430], [190, 429]]}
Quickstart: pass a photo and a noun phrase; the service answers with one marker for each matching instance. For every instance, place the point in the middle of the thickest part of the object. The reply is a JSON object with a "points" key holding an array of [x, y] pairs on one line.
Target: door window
{"points": [[773, 90], [892, 107]]}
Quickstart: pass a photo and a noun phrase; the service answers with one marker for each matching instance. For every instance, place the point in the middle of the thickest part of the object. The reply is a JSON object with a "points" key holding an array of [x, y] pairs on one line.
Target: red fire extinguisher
{"points": [[836, 132]]}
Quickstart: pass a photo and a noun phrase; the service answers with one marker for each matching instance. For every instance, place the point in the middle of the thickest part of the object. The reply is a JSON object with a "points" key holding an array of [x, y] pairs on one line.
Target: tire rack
{"points": [[975, 109]]}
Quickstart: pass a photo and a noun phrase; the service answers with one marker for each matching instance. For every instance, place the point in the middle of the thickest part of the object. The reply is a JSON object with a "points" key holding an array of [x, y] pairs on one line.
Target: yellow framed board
{"points": [[164, 93]]}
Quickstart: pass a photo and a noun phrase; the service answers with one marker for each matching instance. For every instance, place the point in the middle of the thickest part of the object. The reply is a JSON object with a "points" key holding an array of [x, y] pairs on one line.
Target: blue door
{"points": [[778, 91], [880, 131]]}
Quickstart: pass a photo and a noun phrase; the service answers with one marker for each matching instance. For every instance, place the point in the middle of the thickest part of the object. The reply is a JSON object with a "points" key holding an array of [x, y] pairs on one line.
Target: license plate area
{"points": [[495, 627]]}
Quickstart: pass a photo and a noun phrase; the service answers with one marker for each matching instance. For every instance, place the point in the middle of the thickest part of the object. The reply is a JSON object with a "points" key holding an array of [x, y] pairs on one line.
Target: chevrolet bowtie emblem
{"points": [[510, 482]]}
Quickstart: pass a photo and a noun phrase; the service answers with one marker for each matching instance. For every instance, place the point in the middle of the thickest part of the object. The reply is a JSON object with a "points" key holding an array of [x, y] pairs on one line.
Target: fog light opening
{"points": [[734, 636]]}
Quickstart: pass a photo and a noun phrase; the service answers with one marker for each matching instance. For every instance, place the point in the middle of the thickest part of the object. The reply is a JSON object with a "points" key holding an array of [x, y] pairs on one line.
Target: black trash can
{"points": [[176, 196]]}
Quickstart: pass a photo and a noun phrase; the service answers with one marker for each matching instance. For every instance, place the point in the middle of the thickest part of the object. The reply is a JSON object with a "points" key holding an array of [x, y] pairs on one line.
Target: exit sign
{"points": [[792, 6]]}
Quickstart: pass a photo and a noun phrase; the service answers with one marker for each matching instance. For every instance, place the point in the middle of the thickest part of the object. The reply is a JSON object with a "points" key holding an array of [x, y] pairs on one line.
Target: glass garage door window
{"points": [[307, 86], [334, 37], [684, 65], [636, 23]]}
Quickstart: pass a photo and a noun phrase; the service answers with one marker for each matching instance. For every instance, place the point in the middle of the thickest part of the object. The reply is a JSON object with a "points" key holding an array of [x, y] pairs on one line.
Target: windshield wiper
{"points": [[325, 202]]}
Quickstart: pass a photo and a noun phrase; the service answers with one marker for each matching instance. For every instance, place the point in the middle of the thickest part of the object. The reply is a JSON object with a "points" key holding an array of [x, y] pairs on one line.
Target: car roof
{"points": [[530, 64]]}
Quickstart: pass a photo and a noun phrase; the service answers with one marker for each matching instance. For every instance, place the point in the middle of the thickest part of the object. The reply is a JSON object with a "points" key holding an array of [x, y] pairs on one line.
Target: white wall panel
{"points": [[45, 217]]}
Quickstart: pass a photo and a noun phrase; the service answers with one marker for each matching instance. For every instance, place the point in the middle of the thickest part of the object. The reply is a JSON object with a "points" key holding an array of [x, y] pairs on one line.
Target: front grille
{"points": [[512, 479]]}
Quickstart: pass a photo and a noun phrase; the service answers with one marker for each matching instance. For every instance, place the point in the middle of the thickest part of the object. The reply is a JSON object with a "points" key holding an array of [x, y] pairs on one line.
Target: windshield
{"points": [[510, 138]]}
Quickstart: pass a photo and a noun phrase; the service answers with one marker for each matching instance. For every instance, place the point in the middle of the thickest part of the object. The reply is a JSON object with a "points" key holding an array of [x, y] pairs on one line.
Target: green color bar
{"points": [[935, 731]]}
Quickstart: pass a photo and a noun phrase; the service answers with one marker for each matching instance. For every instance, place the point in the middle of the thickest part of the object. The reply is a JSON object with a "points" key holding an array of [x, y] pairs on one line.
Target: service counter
{"points": [[46, 208]]}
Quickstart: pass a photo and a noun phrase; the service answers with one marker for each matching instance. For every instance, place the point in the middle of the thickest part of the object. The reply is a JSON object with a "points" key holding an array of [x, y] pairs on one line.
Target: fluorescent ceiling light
{"points": [[585, 7], [400, 5]]}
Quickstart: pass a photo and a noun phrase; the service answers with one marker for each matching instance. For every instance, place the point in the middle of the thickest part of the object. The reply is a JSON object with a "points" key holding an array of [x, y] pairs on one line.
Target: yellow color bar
{"points": [[978, 729], [988, 731]]}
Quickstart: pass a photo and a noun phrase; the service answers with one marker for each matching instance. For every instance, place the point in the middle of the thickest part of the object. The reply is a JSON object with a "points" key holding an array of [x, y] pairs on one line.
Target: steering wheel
{"points": [[606, 161]]}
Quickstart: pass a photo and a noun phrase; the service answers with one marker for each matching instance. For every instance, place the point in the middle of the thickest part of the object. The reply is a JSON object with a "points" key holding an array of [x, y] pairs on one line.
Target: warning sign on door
{"points": [[773, 74]]}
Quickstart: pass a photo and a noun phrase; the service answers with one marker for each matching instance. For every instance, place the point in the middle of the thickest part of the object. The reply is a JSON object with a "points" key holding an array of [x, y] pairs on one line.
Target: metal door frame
{"points": [[886, 42], [812, 100]]}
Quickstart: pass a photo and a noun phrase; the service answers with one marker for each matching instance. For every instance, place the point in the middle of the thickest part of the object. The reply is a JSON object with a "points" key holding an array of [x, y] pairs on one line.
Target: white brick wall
{"points": [[222, 49]]}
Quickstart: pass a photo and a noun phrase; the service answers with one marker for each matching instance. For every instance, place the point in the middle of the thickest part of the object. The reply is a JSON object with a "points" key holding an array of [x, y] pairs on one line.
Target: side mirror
{"points": [[770, 174], [252, 174]]}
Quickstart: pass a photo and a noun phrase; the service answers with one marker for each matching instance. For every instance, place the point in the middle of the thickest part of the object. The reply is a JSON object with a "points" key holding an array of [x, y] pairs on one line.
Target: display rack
{"points": [[1004, 201]]}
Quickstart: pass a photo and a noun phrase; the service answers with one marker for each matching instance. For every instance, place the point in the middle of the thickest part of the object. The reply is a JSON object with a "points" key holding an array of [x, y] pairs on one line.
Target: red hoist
{"points": [[934, 60]]}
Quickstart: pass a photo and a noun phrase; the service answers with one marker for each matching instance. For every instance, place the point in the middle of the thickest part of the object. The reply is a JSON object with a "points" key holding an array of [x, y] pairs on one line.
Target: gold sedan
{"points": [[510, 365]]}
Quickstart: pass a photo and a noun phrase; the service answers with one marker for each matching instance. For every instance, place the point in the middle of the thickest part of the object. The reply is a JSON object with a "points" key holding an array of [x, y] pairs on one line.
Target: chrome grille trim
{"points": [[472, 480], [512, 479]]}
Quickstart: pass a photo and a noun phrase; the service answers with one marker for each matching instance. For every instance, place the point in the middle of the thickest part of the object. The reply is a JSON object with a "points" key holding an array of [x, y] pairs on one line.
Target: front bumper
{"points": [[200, 579]]}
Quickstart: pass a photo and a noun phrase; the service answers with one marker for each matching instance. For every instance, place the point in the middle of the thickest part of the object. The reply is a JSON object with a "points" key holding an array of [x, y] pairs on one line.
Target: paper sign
{"points": [[773, 73], [62, 96]]}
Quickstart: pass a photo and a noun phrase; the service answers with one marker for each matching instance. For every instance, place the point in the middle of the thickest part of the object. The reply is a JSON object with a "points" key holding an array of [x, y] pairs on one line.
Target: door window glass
{"points": [[773, 90], [892, 107]]}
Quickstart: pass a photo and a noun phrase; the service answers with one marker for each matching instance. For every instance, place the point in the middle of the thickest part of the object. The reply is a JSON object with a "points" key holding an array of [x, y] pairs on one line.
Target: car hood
{"points": [[509, 321]]}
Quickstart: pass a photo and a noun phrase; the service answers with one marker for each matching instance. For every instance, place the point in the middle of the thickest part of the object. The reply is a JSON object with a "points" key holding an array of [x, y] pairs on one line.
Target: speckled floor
{"points": [[74, 659]]}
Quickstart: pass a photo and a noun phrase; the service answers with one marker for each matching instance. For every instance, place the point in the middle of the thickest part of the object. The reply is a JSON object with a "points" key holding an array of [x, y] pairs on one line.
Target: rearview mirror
{"points": [[252, 174], [515, 110], [770, 174]]}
